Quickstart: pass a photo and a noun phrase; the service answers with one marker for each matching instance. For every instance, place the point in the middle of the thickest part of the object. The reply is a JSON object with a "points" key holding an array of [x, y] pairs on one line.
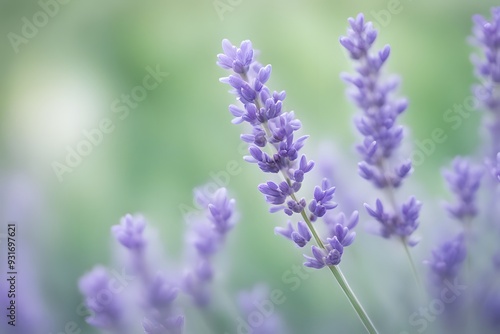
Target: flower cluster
{"points": [[378, 125], [208, 235], [464, 181], [276, 129], [340, 236], [447, 259]]}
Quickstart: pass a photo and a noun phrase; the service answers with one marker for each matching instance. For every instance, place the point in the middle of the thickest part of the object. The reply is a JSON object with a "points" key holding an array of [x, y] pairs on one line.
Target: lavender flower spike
{"points": [[486, 36], [378, 125], [273, 127], [208, 236], [158, 293], [464, 181]]}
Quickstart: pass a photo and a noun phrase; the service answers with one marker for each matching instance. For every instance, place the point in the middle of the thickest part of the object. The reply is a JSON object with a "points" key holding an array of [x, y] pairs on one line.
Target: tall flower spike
{"points": [[159, 294], [464, 181], [208, 236], [486, 36], [377, 123], [275, 130]]}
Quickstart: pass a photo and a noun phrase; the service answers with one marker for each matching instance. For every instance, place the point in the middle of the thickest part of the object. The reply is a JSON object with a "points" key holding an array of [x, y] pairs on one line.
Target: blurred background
{"points": [[72, 72]]}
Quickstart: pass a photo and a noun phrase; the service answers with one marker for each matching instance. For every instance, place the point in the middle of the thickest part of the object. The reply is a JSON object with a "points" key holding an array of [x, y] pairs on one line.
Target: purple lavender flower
{"points": [[270, 126], [447, 260], [402, 223], [301, 236], [486, 36], [156, 291], [130, 232], [208, 236], [340, 236], [106, 306], [276, 129], [463, 180], [378, 124]]}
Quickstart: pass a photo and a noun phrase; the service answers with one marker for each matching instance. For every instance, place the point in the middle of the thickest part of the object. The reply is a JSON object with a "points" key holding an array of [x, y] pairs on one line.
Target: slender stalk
{"points": [[363, 316], [337, 273], [416, 276], [392, 200]]}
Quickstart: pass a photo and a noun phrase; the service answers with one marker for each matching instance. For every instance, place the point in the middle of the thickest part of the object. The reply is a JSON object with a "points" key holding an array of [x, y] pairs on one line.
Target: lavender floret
{"points": [[208, 236], [447, 260]]}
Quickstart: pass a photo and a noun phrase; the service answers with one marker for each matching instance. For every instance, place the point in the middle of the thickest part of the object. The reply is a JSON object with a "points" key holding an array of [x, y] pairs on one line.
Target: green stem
{"points": [[363, 316], [416, 276], [337, 273], [392, 200]]}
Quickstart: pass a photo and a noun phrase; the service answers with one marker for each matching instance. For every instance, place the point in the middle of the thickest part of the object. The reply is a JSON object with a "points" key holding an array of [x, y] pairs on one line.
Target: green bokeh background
{"points": [[64, 80]]}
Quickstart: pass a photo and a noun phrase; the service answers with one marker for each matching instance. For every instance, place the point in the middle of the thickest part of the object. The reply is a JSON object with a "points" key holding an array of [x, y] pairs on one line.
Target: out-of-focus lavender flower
{"points": [[463, 180], [494, 167], [276, 129], [159, 325], [447, 260], [208, 236], [153, 295], [402, 223], [253, 301], [486, 36], [100, 298], [130, 232], [378, 124]]}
